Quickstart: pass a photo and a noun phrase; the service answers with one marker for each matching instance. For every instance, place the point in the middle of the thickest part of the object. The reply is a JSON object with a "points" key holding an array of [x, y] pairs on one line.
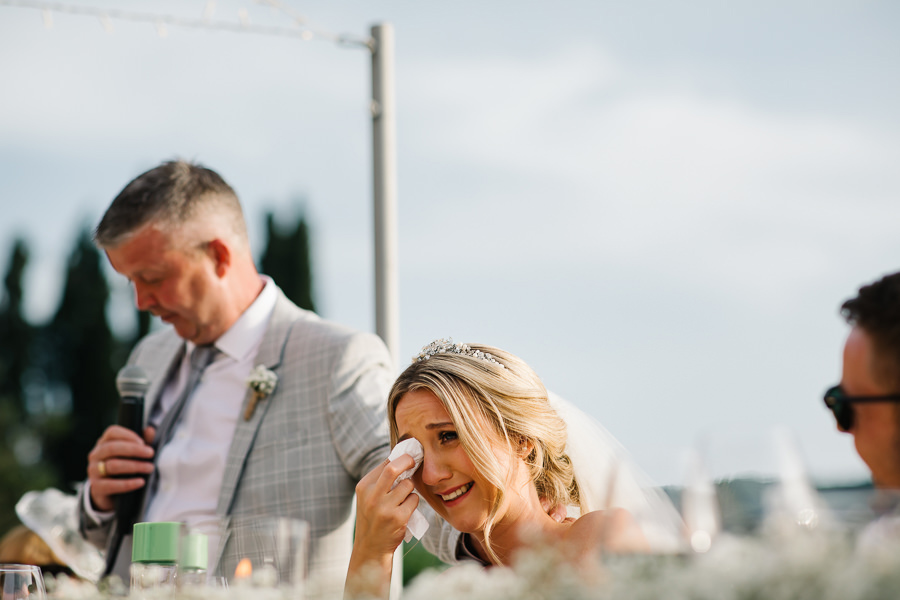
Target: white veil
{"points": [[607, 478]]}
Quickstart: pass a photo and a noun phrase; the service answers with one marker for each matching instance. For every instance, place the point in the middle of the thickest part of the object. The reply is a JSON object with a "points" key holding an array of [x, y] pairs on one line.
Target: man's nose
{"points": [[143, 299]]}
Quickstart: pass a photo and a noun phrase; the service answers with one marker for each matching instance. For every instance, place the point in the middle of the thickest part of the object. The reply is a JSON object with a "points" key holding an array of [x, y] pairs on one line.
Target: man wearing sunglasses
{"points": [[866, 404]]}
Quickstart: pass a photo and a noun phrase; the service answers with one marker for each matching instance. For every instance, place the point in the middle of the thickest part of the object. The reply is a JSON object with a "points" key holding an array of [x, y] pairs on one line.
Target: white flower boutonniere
{"points": [[262, 381]]}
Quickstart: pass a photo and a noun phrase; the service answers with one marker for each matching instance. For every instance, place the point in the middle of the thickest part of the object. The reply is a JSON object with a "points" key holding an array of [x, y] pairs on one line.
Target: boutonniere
{"points": [[262, 381]]}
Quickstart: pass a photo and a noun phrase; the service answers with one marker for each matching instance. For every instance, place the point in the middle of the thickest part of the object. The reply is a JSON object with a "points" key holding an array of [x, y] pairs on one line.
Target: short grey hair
{"points": [[170, 195]]}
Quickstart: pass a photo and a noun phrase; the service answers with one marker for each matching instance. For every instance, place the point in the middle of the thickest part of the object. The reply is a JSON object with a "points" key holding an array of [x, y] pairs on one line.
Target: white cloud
{"points": [[662, 180]]}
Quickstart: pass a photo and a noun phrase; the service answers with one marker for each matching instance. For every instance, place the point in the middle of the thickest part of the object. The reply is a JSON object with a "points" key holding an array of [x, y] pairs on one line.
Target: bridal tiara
{"points": [[447, 346]]}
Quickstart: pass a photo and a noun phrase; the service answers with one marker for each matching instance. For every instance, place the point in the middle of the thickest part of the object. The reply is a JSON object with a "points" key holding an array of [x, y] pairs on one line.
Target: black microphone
{"points": [[132, 383]]}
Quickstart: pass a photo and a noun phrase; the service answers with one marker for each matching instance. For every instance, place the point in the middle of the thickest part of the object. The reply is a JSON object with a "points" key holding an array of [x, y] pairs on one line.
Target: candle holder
{"points": [[264, 553]]}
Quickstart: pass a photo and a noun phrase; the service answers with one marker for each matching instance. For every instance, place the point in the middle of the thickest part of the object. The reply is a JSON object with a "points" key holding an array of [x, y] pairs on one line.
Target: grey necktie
{"points": [[201, 358]]}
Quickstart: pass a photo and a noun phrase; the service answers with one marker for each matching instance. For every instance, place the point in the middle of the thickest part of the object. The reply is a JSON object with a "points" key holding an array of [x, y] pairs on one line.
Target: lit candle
{"points": [[243, 571]]}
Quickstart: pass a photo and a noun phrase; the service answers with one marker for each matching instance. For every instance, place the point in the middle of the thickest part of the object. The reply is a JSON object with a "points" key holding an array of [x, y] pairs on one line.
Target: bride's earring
{"points": [[526, 448]]}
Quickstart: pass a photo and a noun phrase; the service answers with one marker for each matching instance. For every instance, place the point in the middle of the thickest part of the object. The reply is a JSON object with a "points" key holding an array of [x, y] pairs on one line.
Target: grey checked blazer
{"points": [[306, 445]]}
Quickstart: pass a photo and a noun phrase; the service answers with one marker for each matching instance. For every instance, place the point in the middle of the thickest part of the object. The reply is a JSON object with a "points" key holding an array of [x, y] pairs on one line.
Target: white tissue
{"points": [[418, 524]]}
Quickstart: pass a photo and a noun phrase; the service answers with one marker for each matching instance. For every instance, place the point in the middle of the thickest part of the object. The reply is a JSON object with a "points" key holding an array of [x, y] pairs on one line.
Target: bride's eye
{"points": [[447, 436]]}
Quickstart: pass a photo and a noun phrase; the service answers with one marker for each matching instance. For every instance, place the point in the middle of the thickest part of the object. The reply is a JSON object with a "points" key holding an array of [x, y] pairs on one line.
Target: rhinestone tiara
{"points": [[447, 346]]}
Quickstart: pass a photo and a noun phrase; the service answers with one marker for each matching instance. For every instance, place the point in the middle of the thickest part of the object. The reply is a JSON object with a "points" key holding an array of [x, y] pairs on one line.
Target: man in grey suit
{"points": [[178, 234]]}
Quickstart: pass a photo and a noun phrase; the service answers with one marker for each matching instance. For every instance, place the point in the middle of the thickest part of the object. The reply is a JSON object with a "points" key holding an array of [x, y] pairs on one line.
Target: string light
{"points": [[280, 7], [301, 28]]}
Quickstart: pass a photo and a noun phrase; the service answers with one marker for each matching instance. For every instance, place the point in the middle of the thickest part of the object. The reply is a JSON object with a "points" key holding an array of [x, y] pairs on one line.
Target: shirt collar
{"points": [[247, 332]]}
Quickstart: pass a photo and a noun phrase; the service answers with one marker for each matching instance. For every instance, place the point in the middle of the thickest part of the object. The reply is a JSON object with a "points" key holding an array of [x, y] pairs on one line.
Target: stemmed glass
{"points": [[18, 582], [741, 480]]}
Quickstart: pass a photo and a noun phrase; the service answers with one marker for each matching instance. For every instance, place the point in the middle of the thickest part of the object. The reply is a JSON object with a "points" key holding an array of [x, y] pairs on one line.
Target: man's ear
{"points": [[220, 253]]}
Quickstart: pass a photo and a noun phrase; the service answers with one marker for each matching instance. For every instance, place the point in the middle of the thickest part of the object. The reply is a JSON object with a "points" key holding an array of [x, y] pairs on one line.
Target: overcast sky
{"points": [[660, 206]]}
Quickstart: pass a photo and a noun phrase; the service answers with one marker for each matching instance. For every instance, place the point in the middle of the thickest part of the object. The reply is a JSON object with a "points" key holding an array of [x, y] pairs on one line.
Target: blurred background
{"points": [[659, 206]]}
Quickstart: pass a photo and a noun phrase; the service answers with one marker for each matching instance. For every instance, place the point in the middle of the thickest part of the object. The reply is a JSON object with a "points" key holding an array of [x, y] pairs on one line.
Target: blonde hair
{"points": [[487, 403]]}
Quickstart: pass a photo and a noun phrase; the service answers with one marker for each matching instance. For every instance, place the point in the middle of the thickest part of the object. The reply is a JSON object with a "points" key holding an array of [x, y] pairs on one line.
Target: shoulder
{"points": [[315, 330], [321, 345], [334, 342], [614, 529], [306, 328]]}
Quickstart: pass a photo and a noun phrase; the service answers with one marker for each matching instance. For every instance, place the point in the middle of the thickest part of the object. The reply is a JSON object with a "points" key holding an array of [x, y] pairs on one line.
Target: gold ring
{"points": [[101, 468]]}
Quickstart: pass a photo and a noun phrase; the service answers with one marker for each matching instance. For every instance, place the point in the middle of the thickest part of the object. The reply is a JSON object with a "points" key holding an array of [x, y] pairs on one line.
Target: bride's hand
{"points": [[382, 513], [381, 517]]}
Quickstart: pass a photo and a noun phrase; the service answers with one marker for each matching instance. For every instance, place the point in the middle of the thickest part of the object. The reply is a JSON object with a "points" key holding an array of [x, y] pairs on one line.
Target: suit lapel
{"points": [[163, 369], [169, 353], [271, 353]]}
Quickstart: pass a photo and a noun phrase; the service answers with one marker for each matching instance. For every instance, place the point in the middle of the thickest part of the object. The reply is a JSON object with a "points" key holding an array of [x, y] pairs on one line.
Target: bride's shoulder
{"points": [[613, 529]]}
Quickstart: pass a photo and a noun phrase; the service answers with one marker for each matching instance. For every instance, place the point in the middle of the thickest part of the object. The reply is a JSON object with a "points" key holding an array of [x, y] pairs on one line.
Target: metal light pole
{"points": [[384, 156], [384, 175]]}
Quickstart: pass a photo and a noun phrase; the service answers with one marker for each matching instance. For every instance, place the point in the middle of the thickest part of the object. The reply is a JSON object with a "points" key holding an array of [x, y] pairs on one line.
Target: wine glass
{"points": [[744, 479], [700, 505], [21, 582]]}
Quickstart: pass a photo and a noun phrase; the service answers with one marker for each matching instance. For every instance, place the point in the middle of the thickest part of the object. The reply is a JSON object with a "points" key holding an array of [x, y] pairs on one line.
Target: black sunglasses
{"points": [[841, 405]]}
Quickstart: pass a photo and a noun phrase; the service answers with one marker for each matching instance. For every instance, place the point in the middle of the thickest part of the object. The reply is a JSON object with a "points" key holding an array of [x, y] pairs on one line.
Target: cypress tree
{"points": [[287, 260], [18, 437], [84, 347], [15, 333]]}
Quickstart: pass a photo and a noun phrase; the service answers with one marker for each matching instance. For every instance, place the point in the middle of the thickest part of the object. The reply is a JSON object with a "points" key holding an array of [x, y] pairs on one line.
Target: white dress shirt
{"points": [[191, 465]]}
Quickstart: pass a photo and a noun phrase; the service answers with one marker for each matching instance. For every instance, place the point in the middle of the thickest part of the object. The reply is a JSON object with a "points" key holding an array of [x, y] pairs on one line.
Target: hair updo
{"points": [[492, 403]]}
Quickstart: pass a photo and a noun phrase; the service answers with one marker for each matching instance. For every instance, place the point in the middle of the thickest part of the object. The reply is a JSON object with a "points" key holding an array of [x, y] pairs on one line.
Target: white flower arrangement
{"points": [[263, 382], [821, 566], [824, 566]]}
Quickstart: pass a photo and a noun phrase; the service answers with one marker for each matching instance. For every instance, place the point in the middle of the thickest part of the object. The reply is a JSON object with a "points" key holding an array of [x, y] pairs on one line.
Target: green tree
{"points": [[15, 333], [19, 441], [83, 347], [287, 260]]}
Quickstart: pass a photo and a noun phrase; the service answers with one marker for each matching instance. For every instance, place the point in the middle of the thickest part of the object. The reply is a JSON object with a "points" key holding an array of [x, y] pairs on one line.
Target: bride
{"points": [[493, 449]]}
